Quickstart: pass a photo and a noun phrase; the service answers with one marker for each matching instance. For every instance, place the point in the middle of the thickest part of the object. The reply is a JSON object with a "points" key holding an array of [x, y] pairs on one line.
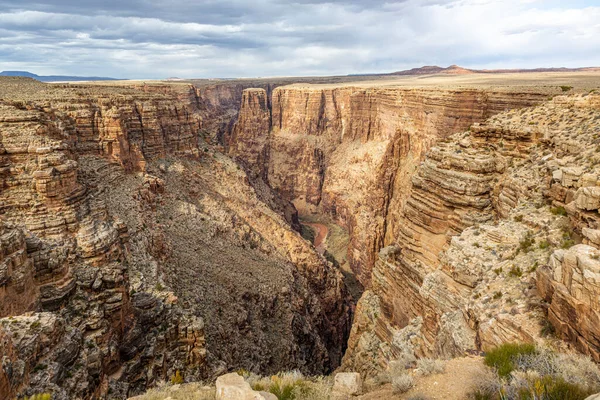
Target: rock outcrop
{"points": [[133, 249], [461, 274]]}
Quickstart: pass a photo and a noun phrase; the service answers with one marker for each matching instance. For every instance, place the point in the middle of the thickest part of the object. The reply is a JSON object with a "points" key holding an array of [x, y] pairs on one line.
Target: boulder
{"points": [[234, 387], [348, 383]]}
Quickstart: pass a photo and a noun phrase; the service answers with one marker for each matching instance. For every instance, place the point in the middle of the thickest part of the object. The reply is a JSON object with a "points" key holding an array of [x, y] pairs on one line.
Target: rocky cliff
{"points": [[486, 251], [457, 249], [349, 151], [132, 249]]}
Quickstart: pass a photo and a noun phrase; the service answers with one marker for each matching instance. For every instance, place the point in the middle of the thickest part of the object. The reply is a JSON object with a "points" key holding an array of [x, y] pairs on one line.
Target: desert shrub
{"points": [[40, 396], [551, 388], [515, 271], [402, 383], [519, 218], [428, 366], [526, 243], [567, 243], [559, 211], [547, 328], [502, 358], [486, 385], [544, 244], [566, 88], [315, 389], [176, 378], [418, 396], [291, 386], [526, 373]]}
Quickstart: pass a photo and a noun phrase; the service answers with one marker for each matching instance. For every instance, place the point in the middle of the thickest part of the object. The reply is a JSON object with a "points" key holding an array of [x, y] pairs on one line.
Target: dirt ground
{"points": [[454, 384]]}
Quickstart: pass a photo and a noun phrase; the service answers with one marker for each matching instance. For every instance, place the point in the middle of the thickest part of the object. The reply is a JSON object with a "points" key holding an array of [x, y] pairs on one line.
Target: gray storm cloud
{"points": [[234, 38]]}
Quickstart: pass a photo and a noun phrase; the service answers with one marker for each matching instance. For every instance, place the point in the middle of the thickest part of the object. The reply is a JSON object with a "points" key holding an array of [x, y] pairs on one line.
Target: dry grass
{"points": [[429, 366], [537, 374], [292, 385], [402, 383], [189, 391]]}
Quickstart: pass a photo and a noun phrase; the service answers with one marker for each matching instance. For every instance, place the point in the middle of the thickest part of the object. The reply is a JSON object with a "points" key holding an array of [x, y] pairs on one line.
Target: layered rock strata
{"points": [[483, 235], [131, 249], [349, 151]]}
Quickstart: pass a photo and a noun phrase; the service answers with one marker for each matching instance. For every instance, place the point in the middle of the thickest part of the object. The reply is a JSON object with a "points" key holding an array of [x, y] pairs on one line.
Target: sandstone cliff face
{"points": [[125, 250], [350, 151], [479, 230]]}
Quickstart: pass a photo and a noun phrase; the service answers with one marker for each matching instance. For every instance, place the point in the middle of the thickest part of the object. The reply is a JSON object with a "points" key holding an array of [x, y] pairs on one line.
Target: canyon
{"points": [[154, 229]]}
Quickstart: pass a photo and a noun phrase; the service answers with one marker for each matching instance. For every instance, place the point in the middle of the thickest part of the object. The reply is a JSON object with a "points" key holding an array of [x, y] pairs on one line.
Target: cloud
{"points": [[238, 38]]}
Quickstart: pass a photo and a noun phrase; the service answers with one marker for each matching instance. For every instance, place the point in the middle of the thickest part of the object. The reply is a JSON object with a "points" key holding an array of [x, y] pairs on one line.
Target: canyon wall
{"points": [[487, 249], [132, 249], [349, 151], [461, 250]]}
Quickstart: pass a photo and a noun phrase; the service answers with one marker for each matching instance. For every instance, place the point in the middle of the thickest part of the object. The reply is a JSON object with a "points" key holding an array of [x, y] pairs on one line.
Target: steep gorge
{"points": [[349, 152], [133, 246], [133, 249], [457, 250]]}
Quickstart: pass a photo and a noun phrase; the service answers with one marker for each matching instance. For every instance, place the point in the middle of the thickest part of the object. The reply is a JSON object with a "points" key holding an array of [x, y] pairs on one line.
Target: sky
{"points": [[258, 38]]}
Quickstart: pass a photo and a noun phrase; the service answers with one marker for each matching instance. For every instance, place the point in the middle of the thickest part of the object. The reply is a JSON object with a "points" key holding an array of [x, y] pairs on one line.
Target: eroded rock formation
{"points": [[131, 249], [479, 229], [349, 152]]}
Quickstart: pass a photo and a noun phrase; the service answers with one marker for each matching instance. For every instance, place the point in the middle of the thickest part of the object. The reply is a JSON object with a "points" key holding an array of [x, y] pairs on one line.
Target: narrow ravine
{"points": [[321, 232]]}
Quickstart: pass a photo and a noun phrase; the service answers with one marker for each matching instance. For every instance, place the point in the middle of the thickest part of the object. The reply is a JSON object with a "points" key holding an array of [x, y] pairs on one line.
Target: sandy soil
{"points": [[455, 384]]}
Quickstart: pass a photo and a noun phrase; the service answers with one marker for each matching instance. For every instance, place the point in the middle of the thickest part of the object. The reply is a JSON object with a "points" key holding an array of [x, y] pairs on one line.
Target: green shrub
{"points": [[497, 295], [526, 243], [515, 271], [553, 388], [560, 210], [566, 88], [547, 328], [502, 358], [544, 244]]}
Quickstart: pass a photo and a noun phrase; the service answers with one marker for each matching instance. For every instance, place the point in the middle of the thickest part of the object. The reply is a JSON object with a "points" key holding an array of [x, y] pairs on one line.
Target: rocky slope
{"points": [[131, 249], [487, 248]]}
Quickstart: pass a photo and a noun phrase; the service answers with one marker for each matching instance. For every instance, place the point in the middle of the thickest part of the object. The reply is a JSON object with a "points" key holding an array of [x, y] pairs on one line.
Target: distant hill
{"points": [[456, 70], [55, 78]]}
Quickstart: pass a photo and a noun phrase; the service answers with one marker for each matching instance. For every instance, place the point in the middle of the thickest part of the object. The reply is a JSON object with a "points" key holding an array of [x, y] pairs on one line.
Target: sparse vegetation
{"points": [[523, 372], [526, 243], [544, 244], [502, 358], [40, 396], [497, 295], [402, 383], [429, 366], [560, 210], [176, 378], [515, 271], [566, 88], [292, 386]]}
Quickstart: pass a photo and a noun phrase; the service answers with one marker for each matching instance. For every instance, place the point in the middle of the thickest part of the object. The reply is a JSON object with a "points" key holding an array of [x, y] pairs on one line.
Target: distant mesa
{"points": [[55, 78], [456, 70]]}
